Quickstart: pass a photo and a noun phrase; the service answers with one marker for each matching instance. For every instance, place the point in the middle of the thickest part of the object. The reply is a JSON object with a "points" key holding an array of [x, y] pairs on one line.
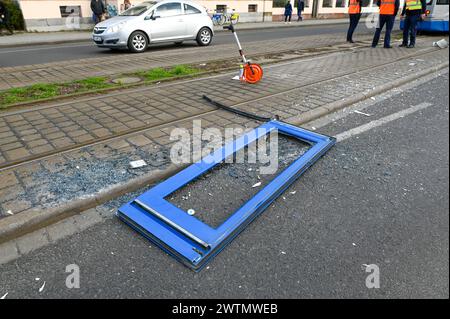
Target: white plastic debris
{"points": [[283, 253], [257, 184], [42, 287], [362, 113], [138, 164], [442, 44], [4, 296], [37, 278], [235, 77], [9, 212], [293, 192], [354, 245], [190, 212], [412, 64], [372, 98]]}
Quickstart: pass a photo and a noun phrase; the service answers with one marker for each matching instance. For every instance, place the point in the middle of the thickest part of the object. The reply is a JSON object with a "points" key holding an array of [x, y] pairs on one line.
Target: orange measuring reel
{"points": [[250, 72], [253, 73]]}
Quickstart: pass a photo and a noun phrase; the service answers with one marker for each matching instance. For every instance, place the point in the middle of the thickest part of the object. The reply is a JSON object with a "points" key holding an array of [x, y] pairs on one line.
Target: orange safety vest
{"points": [[354, 7], [387, 7]]}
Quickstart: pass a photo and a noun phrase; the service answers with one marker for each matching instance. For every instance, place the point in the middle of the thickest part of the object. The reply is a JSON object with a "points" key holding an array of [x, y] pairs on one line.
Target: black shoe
{"points": [[389, 47], [411, 46], [402, 45], [351, 41]]}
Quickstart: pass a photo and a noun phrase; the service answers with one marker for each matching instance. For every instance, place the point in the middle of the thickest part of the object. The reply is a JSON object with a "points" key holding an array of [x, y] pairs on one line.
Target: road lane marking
{"points": [[381, 121]]}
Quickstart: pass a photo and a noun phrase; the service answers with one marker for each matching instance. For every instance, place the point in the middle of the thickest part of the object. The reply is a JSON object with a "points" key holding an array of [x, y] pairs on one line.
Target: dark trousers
{"points": [[388, 20], [410, 29], [299, 16], [354, 20], [287, 16]]}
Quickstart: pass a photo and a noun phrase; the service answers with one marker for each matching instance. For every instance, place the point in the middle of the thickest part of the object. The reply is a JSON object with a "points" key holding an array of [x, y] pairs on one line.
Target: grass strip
{"points": [[42, 91]]}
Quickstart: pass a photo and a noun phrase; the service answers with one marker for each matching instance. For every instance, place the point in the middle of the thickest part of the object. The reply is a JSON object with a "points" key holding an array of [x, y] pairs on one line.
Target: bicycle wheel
{"points": [[253, 73], [234, 20]]}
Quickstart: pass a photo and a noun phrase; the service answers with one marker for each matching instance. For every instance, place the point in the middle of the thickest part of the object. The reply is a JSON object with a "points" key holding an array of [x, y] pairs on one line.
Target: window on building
{"points": [[169, 9], [306, 2], [327, 3], [279, 3], [252, 8], [70, 11], [221, 8], [340, 3], [365, 3], [188, 9]]}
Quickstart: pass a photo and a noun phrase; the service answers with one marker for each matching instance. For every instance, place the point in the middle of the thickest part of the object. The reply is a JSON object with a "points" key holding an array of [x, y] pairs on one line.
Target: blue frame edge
{"points": [[193, 242]]}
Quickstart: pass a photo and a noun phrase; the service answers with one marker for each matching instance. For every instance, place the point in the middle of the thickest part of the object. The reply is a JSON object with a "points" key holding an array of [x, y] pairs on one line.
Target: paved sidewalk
{"points": [[292, 90], [31, 38], [19, 76]]}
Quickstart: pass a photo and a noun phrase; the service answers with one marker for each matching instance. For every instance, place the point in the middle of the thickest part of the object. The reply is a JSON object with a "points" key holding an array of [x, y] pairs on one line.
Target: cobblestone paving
{"points": [[87, 170], [41, 131], [78, 69]]}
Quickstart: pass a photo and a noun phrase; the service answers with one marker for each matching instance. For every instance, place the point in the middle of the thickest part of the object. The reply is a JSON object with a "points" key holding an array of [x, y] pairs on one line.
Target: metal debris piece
{"points": [[257, 184], [187, 238]]}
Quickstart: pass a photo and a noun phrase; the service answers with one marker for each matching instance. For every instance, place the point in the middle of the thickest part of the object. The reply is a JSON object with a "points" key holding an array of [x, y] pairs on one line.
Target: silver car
{"points": [[155, 22]]}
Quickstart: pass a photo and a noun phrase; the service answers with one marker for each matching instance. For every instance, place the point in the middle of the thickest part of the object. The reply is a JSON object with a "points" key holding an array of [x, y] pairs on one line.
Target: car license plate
{"points": [[97, 38]]}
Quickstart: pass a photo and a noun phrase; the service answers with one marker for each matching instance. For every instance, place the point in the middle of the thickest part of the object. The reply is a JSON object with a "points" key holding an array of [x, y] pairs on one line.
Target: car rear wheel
{"points": [[204, 36], [137, 42]]}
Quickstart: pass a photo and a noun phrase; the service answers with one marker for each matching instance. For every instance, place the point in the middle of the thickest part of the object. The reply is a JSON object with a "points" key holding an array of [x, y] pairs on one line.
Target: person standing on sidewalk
{"points": [[388, 11], [98, 9], [301, 7], [354, 12], [287, 12], [415, 11], [4, 19]]}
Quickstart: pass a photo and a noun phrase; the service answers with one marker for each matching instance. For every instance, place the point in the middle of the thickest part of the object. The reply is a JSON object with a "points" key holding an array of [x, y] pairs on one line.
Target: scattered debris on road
{"points": [[257, 184], [42, 287], [362, 113], [138, 164], [442, 44]]}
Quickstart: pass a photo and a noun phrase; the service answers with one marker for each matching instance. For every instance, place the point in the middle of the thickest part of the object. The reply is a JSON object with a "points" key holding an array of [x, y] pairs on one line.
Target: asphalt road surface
{"points": [[380, 196], [51, 53]]}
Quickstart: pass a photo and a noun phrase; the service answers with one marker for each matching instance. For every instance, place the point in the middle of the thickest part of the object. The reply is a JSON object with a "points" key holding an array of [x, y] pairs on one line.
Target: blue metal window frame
{"points": [[187, 238]]}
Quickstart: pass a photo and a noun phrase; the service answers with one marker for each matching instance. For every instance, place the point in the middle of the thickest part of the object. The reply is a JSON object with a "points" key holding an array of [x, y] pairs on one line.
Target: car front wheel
{"points": [[137, 42], [204, 36]]}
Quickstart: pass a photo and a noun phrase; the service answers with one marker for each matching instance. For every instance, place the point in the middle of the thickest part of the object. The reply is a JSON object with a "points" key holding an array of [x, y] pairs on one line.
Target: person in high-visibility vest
{"points": [[414, 11], [354, 12], [388, 11]]}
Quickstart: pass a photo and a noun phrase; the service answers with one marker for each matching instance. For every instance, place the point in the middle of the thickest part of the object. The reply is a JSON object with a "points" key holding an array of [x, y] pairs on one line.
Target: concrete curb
{"points": [[216, 30], [17, 225]]}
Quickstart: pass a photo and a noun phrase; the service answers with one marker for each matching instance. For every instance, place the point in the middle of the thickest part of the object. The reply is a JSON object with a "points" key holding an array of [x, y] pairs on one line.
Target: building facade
{"points": [[57, 15]]}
